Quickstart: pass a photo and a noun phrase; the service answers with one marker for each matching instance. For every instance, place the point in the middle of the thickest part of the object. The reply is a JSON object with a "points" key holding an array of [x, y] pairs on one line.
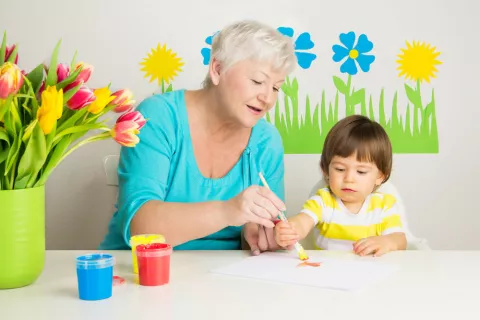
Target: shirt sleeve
{"points": [[275, 166], [391, 217], [143, 170], [314, 207]]}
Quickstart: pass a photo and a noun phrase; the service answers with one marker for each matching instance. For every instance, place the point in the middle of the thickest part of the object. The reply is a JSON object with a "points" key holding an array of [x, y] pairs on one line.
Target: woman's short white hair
{"points": [[252, 40]]}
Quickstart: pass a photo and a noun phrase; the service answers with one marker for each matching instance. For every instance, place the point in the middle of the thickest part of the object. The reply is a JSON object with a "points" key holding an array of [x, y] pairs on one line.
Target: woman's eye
{"points": [[276, 89], [256, 82]]}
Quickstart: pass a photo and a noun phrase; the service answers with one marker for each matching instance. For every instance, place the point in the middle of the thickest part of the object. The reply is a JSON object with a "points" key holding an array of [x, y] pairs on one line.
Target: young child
{"points": [[349, 214]]}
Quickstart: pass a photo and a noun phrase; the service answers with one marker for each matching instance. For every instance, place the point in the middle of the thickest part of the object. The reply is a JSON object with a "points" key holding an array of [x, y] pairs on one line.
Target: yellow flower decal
{"points": [[103, 98], [51, 109], [161, 64], [418, 61]]}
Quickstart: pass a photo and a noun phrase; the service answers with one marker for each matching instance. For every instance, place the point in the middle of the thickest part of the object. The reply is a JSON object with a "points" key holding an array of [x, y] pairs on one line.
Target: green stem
{"points": [[101, 136], [347, 97], [163, 86]]}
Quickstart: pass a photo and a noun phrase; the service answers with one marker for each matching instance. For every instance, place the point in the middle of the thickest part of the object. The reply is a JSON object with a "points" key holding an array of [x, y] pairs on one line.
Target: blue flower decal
{"points": [[206, 51], [303, 42], [354, 52]]}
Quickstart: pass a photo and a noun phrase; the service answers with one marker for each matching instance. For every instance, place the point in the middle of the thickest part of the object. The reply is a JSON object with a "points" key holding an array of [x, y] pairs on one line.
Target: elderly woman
{"points": [[194, 176]]}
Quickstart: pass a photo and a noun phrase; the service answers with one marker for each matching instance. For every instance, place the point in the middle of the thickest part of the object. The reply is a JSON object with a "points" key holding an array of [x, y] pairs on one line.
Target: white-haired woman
{"points": [[194, 175]]}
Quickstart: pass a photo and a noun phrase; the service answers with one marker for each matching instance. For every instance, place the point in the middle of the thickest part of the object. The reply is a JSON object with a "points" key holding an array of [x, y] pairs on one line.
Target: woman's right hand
{"points": [[255, 204]]}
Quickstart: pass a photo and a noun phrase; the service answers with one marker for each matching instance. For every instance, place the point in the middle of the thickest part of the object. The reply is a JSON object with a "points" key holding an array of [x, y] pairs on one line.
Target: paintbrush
{"points": [[301, 252]]}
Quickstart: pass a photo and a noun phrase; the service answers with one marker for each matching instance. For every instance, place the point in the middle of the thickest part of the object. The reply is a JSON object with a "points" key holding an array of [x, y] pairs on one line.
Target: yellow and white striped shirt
{"points": [[337, 229]]}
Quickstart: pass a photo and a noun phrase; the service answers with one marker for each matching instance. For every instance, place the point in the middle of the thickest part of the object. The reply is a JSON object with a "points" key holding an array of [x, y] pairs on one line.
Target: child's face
{"points": [[352, 181]]}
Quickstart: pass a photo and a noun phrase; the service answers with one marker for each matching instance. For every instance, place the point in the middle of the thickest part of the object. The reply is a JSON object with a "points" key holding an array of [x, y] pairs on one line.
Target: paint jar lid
{"points": [[95, 261], [154, 250]]}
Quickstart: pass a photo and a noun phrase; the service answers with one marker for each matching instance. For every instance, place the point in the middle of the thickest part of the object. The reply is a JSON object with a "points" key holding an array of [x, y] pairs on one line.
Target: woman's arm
{"points": [[182, 222]]}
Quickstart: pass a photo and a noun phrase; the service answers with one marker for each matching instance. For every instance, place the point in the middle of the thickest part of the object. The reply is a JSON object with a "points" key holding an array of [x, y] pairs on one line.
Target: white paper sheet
{"points": [[337, 274]]}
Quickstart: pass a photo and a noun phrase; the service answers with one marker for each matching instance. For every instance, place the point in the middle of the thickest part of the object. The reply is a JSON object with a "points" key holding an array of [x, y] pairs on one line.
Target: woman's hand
{"points": [[255, 204], [259, 238]]}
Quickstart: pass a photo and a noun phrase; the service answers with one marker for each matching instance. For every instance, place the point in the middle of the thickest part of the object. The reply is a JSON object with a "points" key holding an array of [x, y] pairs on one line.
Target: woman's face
{"points": [[248, 90]]}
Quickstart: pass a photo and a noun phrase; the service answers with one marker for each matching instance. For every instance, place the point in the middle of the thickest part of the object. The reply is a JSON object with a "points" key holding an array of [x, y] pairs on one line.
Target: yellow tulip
{"points": [[51, 109], [103, 98]]}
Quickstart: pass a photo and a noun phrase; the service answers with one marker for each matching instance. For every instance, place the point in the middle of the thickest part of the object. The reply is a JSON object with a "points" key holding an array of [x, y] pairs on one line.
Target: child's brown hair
{"points": [[358, 134]]}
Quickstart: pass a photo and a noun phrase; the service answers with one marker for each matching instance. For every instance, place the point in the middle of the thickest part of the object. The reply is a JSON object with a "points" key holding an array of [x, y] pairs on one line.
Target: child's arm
{"points": [[296, 229], [392, 238]]}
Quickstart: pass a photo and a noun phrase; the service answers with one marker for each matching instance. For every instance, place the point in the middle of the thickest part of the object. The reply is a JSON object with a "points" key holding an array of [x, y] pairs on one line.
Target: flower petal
{"points": [[206, 55], [304, 42], [348, 39], [305, 59], [363, 45], [340, 52], [349, 67], [364, 61], [286, 31]]}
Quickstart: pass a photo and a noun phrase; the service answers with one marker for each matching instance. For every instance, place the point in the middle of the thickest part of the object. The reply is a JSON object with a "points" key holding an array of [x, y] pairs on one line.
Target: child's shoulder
{"points": [[327, 197], [381, 200]]}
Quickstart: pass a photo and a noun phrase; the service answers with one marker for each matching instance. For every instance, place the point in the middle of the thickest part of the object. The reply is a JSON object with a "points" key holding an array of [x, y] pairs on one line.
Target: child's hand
{"points": [[285, 235], [377, 246]]}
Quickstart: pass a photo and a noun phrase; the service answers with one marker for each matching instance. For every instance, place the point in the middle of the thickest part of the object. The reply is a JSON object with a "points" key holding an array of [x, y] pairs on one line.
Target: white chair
{"points": [[110, 165], [413, 243]]}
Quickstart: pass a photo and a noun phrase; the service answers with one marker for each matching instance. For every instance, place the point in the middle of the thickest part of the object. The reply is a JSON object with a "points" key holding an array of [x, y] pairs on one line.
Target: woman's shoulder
{"points": [[266, 134], [164, 106]]}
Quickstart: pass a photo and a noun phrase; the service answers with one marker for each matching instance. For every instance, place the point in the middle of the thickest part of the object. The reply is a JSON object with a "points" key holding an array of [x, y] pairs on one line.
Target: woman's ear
{"points": [[214, 71]]}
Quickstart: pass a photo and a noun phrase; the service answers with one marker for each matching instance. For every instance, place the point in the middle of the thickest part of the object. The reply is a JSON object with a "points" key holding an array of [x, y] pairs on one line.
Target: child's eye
{"points": [[362, 172], [256, 82], [339, 169]]}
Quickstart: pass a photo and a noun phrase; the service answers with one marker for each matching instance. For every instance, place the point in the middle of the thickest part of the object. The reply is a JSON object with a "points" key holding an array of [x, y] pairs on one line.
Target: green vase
{"points": [[22, 236]]}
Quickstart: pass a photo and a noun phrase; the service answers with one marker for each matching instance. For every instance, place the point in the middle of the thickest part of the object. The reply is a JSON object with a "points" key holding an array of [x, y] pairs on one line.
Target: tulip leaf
{"points": [[36, 77], [33, 158], [54, 158], [13, 54], [69, 79], [49, 137], [73, 119], [52, 70], [74, 61], [14, 151], [79, 129], [3, 49], [69, 94], [3, 149]]}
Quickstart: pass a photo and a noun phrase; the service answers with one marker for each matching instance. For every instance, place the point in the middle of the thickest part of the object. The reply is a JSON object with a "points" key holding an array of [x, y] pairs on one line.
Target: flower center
{"points": [[353, 54]]}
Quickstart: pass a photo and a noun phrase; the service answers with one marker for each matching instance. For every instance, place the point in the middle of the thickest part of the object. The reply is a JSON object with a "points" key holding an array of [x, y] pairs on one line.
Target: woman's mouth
{"points": [[254, 109]]}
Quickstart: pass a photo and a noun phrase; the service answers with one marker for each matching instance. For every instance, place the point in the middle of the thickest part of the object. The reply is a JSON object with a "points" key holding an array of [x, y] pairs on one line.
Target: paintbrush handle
{"points": [[301, 252]]}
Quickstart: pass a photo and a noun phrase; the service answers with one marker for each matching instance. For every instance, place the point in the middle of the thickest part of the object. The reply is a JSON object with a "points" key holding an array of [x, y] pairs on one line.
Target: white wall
{"points": [[439, 190]]}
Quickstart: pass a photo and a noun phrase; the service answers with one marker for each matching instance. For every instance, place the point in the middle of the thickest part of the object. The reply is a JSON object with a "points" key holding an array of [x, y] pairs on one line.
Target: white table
{"points": [[430, 284]]}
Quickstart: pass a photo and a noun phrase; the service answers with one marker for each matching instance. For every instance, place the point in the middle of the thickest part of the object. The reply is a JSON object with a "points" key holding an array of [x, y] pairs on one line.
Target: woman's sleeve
{"points": [[275, 166], [143, 170]]}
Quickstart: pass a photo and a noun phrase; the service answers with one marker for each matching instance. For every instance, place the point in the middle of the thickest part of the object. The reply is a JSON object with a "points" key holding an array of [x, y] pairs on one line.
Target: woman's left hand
{"points": [[259, 238]]}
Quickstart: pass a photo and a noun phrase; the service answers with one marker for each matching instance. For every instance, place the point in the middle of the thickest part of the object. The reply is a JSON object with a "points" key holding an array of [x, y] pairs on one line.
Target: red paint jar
{"points": [[153, 263]]}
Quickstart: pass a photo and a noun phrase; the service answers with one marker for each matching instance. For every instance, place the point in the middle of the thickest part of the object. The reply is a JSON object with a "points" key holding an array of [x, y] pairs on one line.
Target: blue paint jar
{"points": [[95, 276]]}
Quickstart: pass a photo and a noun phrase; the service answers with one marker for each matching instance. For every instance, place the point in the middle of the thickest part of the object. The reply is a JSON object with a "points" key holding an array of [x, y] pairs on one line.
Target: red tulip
{"points": [[11, 79], [127, 128], [123, 101], [82, 98], [9, 51], [63, 71]]}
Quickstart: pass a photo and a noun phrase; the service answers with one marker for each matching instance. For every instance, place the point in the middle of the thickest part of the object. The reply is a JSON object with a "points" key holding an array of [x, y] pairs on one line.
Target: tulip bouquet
{"points": [[46, 113]]}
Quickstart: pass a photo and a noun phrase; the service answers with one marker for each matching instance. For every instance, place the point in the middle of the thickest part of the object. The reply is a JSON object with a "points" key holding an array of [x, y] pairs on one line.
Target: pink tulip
{"points": [[127, 128], [42, 87], [123, 101], [85, 73], [63, 71], [9, 51], [11, 79], [82, 98]]}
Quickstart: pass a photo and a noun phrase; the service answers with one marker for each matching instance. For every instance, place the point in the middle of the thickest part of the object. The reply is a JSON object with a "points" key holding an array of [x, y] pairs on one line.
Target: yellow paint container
{"points": [[143, 239]]}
